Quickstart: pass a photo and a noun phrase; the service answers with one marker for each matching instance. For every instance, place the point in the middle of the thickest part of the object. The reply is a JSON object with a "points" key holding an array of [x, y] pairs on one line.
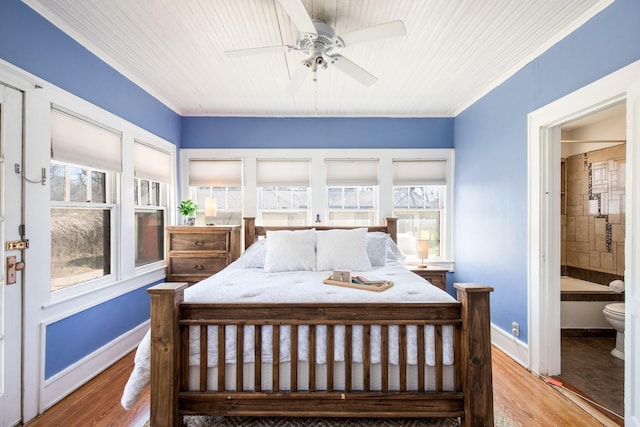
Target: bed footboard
{"points": [[470, 397]]}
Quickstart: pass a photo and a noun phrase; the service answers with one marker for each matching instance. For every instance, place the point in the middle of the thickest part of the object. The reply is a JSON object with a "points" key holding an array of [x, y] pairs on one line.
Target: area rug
{"points": [[500, 419]]}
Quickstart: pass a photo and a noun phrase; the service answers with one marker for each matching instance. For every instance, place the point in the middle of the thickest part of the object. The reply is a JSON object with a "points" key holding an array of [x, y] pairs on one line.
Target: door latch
{"points": [[13, 266]]}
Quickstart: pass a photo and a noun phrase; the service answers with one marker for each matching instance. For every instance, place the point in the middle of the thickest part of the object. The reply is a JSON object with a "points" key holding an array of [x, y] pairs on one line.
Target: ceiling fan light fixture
{"points": [[318, 40]]}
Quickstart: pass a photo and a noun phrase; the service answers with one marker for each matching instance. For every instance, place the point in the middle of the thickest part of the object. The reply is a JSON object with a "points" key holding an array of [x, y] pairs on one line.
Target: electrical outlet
{"points": [[515, 329]]}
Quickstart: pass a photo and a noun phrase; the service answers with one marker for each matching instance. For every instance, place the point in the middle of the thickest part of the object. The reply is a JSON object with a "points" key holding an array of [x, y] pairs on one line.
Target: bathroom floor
{"points": [[588, 365]]}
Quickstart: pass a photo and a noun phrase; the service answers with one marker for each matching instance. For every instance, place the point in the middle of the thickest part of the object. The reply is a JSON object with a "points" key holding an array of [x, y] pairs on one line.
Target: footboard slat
{"points": [[294, 358], [402, 362], [257, 346], [312, 357], [421, 358], [330, 351], [275, 343], [221, 357], [239, 358], [366, 358], [348, 358], [204, 346], [438, 351], [384, 355]]}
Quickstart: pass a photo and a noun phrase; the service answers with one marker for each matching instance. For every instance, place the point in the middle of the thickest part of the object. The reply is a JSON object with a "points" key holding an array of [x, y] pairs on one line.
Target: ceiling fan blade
{"points": [[353, 70], [299, 76], [373, 33], [256, 51], [299, 15]]}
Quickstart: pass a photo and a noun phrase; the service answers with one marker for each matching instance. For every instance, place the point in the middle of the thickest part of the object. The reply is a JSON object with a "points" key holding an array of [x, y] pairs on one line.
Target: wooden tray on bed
{"points": [[374, 287]]}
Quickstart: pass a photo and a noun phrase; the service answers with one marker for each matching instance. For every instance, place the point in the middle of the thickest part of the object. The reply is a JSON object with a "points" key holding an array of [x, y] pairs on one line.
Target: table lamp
{"points": [[210, 209], [422, 249]]}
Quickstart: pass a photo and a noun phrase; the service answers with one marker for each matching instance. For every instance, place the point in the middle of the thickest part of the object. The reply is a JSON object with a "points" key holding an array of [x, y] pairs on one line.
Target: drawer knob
{"points": [[199, 243], [199, 267]]}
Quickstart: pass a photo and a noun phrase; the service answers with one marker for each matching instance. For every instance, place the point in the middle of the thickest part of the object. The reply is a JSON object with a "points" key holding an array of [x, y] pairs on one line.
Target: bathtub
{"points": [[581, 303]]}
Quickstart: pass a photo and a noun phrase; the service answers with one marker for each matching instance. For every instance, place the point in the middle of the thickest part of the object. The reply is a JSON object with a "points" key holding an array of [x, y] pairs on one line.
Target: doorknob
{"points": [[12, 267]]}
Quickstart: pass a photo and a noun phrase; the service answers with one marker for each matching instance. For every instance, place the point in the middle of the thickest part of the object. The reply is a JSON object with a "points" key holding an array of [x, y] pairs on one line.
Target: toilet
{"points": [[614, 314]]}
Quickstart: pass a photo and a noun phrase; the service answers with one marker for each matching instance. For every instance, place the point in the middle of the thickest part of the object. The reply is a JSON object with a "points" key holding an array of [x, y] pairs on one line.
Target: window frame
{"points": [[125, 276], [112, 179]]}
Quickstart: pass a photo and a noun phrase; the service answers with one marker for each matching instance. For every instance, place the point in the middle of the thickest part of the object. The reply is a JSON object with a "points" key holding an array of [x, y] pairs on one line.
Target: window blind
{"points": [[341, 172], [80, 142], [419, 172], [284, 173], [151, 163], [215, 173]]}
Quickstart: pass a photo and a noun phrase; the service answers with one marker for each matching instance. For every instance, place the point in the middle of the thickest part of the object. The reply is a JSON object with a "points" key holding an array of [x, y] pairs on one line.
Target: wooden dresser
{"points": [[436, 275], [196, 252]]}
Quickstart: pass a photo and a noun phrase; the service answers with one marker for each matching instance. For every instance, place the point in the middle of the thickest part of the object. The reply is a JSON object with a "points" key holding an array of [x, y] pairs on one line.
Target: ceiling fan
{"points": [[319, 42]]}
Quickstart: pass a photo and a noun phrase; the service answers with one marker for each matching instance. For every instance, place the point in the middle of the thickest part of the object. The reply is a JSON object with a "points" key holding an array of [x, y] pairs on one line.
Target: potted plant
{"points": [[188, 209]]}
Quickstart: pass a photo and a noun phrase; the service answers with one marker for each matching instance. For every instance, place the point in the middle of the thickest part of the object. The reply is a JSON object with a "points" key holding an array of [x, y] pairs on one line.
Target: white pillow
{"points": [[255, 254], [377, 248], [342, 250], [290, 250]]}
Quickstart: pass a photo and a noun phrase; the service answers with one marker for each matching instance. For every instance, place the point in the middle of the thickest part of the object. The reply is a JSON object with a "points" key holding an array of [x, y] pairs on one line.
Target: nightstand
{"points": [[437, 276], [196, 252]]}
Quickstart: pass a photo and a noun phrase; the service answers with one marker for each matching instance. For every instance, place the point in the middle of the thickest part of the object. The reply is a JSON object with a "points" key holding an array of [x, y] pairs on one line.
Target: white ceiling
{"points": [[455, 51]]}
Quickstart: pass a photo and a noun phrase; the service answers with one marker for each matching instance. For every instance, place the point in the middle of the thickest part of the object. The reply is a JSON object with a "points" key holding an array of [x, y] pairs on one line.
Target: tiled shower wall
{"points": [[593, 217]]}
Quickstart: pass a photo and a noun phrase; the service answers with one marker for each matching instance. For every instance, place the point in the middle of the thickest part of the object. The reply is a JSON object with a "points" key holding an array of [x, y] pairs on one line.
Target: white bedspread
{"points": [[238, 284]]}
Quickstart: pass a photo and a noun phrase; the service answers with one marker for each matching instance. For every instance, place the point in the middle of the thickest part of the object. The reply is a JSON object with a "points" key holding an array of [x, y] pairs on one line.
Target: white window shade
{"points": [[419, 172], [284, 173], [351, 172], [80, 142], [215, 173], [151, 163]]}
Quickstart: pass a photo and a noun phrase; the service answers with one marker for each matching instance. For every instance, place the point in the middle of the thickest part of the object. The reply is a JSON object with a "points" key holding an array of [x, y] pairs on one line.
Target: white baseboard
{"points": [[65, 382], [510, 345]]}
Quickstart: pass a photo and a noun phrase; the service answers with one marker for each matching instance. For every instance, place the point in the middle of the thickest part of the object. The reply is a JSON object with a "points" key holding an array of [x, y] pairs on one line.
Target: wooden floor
{"points": [[526, 399]]}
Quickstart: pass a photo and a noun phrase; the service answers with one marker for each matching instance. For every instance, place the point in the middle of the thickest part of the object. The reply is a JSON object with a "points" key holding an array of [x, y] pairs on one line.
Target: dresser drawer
{"points": [[198, 265], [198, 242]]}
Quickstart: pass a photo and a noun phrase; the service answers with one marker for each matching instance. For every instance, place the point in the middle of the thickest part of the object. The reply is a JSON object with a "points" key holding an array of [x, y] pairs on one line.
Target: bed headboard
{"points": [[252, 231]]}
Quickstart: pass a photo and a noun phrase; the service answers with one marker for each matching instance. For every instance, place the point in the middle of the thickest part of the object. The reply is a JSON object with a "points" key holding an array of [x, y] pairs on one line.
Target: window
{"points": [[283, 191], [86, 161], [152, 169], [222, 181], [419, 195], [352, 189]]}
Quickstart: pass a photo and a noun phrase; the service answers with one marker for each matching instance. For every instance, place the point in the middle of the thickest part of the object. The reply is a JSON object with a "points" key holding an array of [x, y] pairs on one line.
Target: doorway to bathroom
{"points": [[544, 227], [592, 240]]}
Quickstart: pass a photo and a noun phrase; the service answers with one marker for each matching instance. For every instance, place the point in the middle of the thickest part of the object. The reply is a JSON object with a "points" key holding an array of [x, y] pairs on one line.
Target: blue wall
{"points": [[269, 132], [32, 43], [490, 140], [72, 338]]}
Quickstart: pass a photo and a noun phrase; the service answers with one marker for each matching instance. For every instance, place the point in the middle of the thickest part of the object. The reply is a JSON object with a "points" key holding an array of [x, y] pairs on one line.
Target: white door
{"points": [[10, 220], [632, 267]]}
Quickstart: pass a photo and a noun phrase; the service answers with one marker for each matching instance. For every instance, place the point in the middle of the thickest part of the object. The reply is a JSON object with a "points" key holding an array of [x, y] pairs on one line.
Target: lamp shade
{"points": [[422, 249], [210, 206]]}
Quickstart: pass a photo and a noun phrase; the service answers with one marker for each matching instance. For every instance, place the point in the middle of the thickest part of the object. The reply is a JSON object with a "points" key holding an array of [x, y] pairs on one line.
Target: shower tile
{"points": [[620, 259], [571, 228], [601, 243], [594, 259], [606, 261], [617, 233], [582, 229], [578, 247]]}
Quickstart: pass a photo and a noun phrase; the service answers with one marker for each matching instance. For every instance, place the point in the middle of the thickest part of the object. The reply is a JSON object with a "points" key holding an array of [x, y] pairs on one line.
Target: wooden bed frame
{"points": [[471, 399]]}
